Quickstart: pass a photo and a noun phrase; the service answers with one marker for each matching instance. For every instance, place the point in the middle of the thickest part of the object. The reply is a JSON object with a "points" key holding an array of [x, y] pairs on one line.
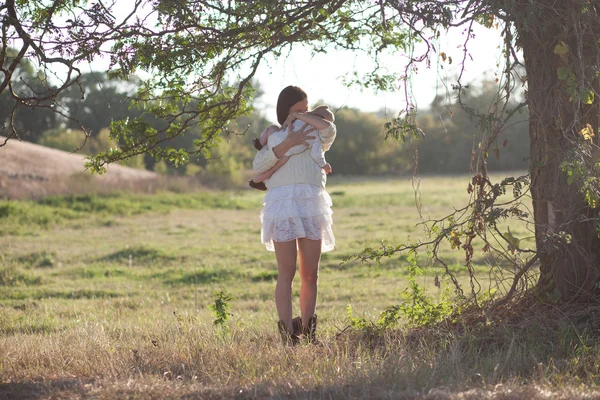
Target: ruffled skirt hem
{"points": [[297, 211]]}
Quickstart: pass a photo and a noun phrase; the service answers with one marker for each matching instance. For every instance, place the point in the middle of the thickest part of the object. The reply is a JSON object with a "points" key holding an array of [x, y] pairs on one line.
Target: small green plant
{"points": [[221, 310], [356, 322], [419, 308]]}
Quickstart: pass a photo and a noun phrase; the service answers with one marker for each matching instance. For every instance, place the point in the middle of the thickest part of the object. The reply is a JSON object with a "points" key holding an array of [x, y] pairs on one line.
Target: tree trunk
{"points": [[565, 225]]}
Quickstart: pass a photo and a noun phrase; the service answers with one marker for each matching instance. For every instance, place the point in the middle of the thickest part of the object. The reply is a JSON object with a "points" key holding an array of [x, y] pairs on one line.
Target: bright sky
{"points": [[321, 75]]}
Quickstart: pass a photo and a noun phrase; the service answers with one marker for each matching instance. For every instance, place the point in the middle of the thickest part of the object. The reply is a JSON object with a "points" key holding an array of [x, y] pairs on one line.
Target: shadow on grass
{"points": [[41, 259], [69, 295], [201, 276], [139, 255], [264, 276], [59, 388], [204, 276], [368, 389], [12, 276]]}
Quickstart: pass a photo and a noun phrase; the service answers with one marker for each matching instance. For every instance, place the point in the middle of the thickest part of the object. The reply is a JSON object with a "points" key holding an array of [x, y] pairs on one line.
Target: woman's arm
{"points": [[316, 122], [267, 158]]}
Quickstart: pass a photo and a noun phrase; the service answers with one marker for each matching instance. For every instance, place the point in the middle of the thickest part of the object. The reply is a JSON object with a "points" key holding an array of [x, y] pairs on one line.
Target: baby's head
{"points": [[322, 112]]}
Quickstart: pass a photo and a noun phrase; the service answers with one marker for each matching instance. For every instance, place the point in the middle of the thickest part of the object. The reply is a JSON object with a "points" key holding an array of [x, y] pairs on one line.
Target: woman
{"points": [[296, 218]]}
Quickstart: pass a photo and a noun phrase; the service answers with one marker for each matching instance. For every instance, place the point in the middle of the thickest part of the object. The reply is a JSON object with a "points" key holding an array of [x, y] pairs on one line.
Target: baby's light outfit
{"points": [[316, 146]]}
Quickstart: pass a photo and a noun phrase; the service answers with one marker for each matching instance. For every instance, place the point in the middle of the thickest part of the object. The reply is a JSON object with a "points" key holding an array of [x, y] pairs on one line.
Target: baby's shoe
{"points": [[259, 185]]}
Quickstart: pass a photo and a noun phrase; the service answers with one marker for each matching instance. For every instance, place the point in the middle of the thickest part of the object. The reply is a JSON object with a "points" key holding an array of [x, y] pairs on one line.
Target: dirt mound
{"points": [[31, 171]]}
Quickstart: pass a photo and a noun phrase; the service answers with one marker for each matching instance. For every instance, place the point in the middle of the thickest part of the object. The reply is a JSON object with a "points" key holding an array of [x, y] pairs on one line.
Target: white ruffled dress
{"points": [[301, 210]]}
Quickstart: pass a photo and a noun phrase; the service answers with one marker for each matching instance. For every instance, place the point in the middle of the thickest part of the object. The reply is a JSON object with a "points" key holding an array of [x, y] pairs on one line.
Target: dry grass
{"points": [[77, 320], [30, 171], [160, 356]]}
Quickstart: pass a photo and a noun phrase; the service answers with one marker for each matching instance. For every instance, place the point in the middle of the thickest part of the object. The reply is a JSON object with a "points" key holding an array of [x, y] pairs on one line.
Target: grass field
{"points": [[107, 297]]}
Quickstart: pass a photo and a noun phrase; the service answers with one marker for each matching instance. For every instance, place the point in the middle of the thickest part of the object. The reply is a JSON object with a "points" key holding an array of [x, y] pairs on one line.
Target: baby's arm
{"points": [[327, 136], [316, 122], [317, 154], [267, 174]]}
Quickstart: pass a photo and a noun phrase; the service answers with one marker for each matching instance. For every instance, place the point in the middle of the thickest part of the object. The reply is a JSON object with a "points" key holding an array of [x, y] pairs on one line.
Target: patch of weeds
{"points": [[417, 307], [42, 259], [113, 204], [17, 217], [11, 276]]}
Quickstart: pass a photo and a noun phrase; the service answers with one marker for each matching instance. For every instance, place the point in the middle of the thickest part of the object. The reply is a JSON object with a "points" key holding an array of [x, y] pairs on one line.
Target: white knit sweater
{"points": [[300, 168]]}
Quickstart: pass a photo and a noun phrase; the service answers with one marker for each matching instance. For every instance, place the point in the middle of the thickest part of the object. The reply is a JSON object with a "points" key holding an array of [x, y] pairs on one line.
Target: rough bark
{"points": [[568, 267]]}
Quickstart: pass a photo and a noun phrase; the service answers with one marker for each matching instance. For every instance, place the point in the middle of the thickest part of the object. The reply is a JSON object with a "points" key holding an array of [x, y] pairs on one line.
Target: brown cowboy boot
{"points": [[297, 325], [288, 339], [310, 330]]}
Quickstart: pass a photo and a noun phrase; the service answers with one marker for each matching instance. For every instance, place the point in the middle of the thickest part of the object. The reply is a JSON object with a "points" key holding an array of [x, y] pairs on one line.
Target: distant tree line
{"points": [[450, 135]]}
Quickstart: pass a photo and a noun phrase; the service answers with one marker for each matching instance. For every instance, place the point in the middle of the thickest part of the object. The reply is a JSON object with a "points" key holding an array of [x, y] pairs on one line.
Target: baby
{"points": [[274, 136]]}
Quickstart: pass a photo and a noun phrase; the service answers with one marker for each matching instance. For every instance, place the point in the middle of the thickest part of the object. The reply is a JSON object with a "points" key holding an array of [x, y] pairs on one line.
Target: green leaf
{"points": [[563, 73], [587, 97], [514, 241], [561, 48]]}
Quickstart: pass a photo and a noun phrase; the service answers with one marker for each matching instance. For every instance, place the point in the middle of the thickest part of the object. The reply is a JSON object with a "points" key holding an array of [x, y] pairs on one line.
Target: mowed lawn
{"points": [[108, 297]]}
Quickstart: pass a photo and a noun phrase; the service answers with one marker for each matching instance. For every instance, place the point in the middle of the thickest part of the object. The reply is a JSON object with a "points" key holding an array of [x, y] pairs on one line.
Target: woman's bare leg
{"points": [[310, 256], [285, 252]]}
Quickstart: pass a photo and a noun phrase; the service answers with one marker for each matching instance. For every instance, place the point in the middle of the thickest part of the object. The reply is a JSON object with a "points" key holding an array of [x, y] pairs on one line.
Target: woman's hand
{"points": [[290, 118], [300, 136], [294, 138]]}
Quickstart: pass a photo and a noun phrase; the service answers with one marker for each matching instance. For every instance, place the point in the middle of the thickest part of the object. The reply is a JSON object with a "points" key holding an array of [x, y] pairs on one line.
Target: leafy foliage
{"points": [[417, 307], [221, 309]]}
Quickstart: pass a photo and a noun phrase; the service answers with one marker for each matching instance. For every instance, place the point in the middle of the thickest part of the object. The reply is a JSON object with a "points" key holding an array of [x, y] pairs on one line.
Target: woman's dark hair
{"points": [[287, 98]]}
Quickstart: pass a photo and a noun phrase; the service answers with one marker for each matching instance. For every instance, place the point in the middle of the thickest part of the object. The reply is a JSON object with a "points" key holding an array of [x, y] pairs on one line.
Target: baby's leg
{"points": [[266, 133], [267, 174]]}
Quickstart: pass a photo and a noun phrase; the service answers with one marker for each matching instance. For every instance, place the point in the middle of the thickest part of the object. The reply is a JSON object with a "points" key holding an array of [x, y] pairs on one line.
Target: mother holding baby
{"points": [[296, 218]]}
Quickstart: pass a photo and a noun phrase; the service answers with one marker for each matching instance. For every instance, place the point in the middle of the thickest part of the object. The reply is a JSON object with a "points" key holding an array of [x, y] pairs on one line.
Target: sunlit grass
{"points": [[113, 293]]}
